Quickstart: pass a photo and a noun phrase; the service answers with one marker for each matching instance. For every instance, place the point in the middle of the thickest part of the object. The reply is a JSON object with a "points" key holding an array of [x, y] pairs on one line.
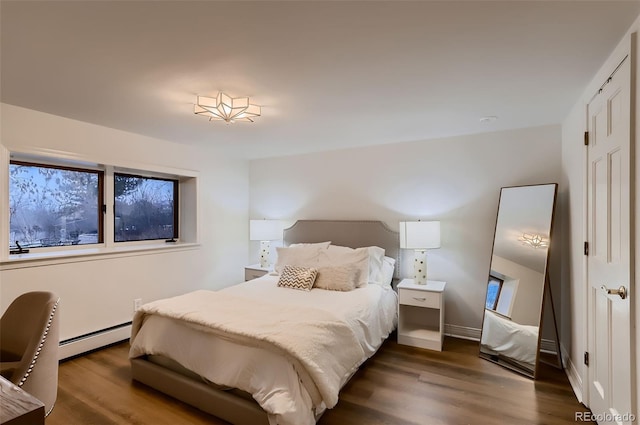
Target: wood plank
{"points": [[399, 385]]}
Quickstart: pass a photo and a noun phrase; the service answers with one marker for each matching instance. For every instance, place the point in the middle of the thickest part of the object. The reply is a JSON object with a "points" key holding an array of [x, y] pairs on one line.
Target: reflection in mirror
{"points": [[518, 272]]}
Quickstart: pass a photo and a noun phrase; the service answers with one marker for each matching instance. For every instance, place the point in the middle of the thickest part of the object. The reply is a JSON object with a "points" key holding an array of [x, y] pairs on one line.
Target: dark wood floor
{"points": [[399, 385]]}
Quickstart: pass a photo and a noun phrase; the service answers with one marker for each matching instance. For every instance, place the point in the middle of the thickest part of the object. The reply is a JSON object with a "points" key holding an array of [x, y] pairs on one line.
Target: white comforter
{"points": [[288, 373], [503, 336]]}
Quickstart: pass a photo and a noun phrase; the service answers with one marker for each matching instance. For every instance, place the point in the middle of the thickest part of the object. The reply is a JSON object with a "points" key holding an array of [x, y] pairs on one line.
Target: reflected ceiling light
{"points": [[488, 118], [534, 241], [226, 108]]}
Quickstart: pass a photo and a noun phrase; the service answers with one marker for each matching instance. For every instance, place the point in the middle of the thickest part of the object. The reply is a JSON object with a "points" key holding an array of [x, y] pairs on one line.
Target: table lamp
{"points": [[420, 236], [265, 231]]}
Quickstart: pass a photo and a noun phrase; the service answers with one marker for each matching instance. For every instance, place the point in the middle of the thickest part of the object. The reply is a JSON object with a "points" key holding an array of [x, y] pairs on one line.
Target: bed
{"points": [[509, 341], [280, 361]]}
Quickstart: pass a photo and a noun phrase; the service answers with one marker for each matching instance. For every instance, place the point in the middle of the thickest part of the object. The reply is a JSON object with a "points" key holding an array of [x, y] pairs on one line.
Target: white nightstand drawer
{"points": [[419, 298], [254, 272]]}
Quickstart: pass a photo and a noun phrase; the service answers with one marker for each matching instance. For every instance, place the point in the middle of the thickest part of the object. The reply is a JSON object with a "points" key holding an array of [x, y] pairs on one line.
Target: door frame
{"points": [[627, 48]]}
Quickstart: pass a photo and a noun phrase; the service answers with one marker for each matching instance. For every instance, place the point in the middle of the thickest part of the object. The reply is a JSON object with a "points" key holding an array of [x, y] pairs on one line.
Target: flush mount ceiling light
{"points": [[534, 241], [226, 108]]}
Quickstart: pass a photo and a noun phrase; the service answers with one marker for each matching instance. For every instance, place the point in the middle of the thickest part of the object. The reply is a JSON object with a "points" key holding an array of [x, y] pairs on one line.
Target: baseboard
{"points": [[85, 343], [463, 332], [574, 377]]}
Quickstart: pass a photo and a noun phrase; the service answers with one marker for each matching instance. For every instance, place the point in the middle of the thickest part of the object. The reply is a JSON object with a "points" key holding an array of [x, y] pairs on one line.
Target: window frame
{"points": [[176, 206], [189, 208], [100, 191], [500, 282]]}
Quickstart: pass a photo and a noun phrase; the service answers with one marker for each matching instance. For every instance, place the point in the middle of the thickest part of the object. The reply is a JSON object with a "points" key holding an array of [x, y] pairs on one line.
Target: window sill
{"points": [[39, 259]]}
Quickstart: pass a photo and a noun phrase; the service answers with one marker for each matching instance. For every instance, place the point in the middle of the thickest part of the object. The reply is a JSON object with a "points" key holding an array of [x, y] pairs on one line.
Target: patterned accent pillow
{"points": [[297, 277], [338, 278]]}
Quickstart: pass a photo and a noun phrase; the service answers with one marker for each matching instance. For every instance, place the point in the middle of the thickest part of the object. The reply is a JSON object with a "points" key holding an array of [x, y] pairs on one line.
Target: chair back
{"points": [[29, 337]]}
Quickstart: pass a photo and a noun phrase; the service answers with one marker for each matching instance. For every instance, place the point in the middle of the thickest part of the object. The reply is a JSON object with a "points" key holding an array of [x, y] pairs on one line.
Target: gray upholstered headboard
{"points": [[351, 233]]}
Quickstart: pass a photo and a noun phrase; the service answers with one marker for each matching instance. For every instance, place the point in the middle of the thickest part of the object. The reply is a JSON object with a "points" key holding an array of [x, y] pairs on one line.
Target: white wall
{"points": [[98, 293], [528, 299], [455, 180], [572, 311], [574, 318]]}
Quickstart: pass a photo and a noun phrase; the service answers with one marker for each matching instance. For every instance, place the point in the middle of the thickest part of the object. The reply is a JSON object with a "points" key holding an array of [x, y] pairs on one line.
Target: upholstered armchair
{"points": [[29, 345]]}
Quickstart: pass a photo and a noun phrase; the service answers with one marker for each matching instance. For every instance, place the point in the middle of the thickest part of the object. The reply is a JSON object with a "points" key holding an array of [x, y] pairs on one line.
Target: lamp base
{"points": [[265, 253], [420, 267]]}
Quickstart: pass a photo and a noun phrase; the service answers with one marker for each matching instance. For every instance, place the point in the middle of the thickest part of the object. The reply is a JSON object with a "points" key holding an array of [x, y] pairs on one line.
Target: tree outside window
{"points": [[145, 208], [54, 206]]}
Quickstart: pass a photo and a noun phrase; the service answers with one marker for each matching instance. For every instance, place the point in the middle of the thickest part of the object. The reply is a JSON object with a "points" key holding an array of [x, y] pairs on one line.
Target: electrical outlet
{"points": [[136, 304]]}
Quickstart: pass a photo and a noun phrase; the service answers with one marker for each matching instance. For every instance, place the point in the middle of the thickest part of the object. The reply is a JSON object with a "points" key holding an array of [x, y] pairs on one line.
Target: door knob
{"points": [[622, 291]]}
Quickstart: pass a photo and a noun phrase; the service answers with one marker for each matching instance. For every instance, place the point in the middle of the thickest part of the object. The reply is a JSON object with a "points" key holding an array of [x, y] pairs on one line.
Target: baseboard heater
{"points": [[82, 344]]}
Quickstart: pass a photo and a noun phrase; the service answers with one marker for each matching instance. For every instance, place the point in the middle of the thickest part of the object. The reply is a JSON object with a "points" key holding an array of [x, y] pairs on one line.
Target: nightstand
{"points": [[421, 314], [254, 271]]}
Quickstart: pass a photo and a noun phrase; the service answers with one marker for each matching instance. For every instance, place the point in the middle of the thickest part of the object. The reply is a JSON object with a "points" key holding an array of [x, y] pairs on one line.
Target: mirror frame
{"points": [[546, 293]]}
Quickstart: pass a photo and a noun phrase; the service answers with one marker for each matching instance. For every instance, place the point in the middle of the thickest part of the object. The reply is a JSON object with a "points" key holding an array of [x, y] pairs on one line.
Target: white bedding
{"points": [[281, 385], [503, 336]]}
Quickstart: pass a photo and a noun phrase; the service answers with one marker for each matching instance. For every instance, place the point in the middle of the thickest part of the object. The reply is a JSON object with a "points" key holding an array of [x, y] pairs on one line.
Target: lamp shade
{"points": [[265, 230], [419, 234]]}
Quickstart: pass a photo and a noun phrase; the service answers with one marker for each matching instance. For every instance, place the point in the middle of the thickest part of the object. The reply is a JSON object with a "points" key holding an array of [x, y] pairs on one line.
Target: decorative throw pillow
{"points": [[338, 278], [297, 277]]}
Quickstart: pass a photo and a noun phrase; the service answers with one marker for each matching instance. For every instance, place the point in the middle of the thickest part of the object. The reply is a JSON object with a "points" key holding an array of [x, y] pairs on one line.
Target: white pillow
{"points": [[367, 260], [376, 256], [300, 256], [336, 250], [386, 272], [321, 245], [376, 260]]}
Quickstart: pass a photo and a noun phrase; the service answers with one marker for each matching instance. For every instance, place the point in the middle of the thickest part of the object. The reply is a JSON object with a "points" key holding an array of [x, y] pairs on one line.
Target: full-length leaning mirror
{"points": [[517, 276]]}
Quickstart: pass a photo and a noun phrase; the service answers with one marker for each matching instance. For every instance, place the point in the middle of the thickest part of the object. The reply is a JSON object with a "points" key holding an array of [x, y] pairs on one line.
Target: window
{"points": [[145, 208], [493, 292], [52, 205], [60, 208]]}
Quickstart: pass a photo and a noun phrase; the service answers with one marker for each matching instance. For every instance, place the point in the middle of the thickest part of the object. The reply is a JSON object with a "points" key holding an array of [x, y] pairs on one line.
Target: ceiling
{"points": [[328, 74]]}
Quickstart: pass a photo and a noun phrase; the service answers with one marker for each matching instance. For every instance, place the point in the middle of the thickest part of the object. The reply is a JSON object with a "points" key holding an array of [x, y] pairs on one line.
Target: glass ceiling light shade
{"points": [[534, 241], [225, 108]]}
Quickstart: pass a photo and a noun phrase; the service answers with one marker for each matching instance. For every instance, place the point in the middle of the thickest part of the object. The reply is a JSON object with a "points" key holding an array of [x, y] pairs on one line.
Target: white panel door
{"points": [[609, 260]]}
